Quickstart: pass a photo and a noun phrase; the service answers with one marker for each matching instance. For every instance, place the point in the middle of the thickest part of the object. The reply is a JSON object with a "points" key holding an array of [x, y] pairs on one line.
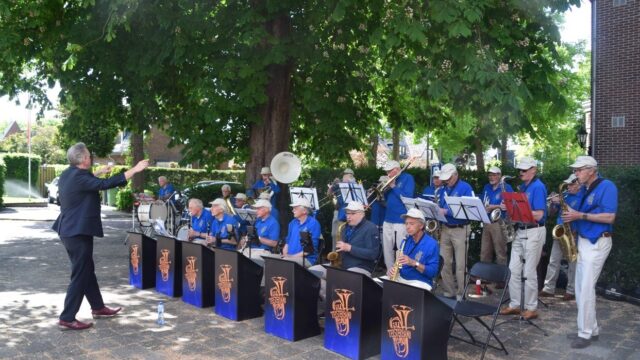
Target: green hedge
{"points": [[2, 177], [17, 166]]}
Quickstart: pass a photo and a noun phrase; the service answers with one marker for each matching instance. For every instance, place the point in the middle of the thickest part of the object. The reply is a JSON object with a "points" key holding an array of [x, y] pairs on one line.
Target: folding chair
{"points": [[380, 257], [477, 310], [435, 278]]}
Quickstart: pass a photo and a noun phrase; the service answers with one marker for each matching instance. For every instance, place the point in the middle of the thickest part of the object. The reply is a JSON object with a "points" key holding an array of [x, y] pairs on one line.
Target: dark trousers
{"points": [[83, 277]]}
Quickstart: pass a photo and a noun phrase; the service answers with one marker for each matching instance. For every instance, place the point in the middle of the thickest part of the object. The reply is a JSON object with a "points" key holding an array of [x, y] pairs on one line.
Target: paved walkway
{"points": [[34, 272]]}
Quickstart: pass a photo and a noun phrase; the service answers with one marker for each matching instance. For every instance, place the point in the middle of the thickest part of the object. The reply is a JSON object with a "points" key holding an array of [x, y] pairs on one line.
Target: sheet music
{"points": [[310, 194], [467, 208], [430, 209], [158, 227], [353, 192], [248, 215]]}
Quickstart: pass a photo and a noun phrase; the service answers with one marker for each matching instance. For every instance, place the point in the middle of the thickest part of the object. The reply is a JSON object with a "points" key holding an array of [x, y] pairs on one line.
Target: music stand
{"points": [[308, 193], [428, 208], [519, 212], [353, 192], [248, 216]]}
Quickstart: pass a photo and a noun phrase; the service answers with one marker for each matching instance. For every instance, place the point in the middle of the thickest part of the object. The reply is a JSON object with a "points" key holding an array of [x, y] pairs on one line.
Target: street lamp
{"points": [[582, 136]]}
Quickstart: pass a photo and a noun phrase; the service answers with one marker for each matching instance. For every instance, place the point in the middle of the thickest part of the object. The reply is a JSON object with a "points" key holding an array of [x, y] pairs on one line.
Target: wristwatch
{"points": [[584, 216], [417, 264]]}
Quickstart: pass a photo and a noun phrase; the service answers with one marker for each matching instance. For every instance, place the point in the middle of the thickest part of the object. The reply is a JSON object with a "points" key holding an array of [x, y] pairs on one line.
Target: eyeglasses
{"points": [[580, 169], [524, 171]]}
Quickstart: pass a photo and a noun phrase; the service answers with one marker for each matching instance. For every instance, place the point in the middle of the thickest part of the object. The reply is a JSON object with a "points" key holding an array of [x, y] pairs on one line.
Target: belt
{"points": [[606, 234], [455, 226], [523, 227]]}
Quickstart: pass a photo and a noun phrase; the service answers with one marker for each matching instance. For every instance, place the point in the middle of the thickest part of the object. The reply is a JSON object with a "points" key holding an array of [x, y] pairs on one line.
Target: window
{"points": [[617, 121]]}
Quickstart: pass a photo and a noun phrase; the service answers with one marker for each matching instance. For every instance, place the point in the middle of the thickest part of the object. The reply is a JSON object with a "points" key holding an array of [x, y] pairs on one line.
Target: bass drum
{"points": [[152, 211], [183, 233]]}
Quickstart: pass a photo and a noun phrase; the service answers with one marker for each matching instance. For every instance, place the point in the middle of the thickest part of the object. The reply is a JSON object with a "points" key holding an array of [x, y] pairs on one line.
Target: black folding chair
{"points": [[380, 257], [476, 310], [435, 278]]}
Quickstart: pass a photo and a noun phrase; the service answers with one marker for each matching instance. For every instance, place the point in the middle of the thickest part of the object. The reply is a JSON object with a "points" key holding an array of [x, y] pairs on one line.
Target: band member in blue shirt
{"points": [[302, 222], [453, 236], [593, 219], [339, 215], [220, 226], [268, 184], [200, 220], [420, 259], [267, 231], [378, 209], [493, 239], [166, 189], [528, 244], [393, 229], [572, 198], [429, 191]]}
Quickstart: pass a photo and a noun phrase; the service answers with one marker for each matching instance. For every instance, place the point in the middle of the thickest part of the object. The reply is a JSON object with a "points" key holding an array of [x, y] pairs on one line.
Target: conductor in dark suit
{"points": [[78, 222]]}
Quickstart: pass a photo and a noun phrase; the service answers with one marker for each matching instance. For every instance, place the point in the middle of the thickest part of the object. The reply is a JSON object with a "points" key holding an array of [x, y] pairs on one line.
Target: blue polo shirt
{"points": [[427, 253], [293, 237], [267, 228], [203, 222], [537, 195], [219, 229], [275, 189], [460, 188], [428, 193], [603, 199], [494, 196], [405, 186], [377, 213], [573, 201], [165, 191]]}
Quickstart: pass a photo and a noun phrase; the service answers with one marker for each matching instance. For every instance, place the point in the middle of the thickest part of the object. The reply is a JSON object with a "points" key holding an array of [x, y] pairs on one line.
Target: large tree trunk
{"points": [[137, 153], [395, 138], [503, 151], [477, 150], [372, 160]]}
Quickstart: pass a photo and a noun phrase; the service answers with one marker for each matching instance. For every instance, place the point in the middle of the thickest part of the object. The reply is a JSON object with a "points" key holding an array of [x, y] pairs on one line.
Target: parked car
{"points": [[52, 191], [208, 190]]}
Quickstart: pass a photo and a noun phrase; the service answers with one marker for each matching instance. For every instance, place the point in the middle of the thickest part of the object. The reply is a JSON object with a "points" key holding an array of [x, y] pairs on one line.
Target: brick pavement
{"points": [[34, 272]]}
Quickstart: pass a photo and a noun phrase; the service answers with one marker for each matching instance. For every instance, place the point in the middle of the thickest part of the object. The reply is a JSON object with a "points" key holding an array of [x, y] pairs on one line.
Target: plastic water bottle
{"points": [[160, 320]]}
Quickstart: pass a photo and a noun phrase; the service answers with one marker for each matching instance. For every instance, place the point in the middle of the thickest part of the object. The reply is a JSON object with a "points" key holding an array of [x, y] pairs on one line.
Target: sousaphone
{"points": [[286, 167]]}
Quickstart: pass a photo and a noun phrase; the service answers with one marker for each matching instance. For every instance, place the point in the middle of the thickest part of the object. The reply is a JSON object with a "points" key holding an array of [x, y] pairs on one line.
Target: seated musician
{"points": [[420, 259], [266, 232], [219, 233], [274, 211], [166, 189], [200, 220], [359, 245], [302, 222]]}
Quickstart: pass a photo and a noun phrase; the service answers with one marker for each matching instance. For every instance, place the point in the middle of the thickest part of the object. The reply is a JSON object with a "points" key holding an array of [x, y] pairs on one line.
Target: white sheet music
{"points": [[430, 209], [353, 192], [467, 208], [310, 194]]}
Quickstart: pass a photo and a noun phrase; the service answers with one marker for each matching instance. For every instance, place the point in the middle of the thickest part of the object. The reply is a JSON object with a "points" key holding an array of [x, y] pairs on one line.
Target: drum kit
{"points": [[157, 216]]}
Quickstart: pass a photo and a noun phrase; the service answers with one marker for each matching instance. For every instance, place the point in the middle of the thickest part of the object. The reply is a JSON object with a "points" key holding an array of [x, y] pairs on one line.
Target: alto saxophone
{"points": [[432, 225], [563, 233], [396, 265], [508, 231], [334, 257]]}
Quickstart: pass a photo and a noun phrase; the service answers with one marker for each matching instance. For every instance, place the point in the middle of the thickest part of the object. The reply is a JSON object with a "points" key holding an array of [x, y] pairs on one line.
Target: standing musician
{"points": [[340, 216], [241, 201], [572, 198], [219, 229], [166, 189], [266, 183], [378, 208], [200, 220], [429, 191], [420, 259], [528, 244], [453, 236], [393, 229], [267, 231], [359, 248], [302, 222], [225, 190], [493, 239], [593, 219]]}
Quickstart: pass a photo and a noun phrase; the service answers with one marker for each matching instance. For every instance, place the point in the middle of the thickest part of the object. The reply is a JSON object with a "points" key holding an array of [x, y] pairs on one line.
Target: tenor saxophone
{"points": [[563, 233], [334, 257], [508, 231]]}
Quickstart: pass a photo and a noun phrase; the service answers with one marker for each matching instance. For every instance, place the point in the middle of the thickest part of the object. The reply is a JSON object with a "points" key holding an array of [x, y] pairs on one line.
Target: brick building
{"points": [[615, 82]]}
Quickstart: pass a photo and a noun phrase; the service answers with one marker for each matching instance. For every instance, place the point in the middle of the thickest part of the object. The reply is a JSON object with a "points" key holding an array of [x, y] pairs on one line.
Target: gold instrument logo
{"points": [[164, 264], [135, 259], [399, 330], [341, 312], [224, 283], [191, 273], [277, 297]]}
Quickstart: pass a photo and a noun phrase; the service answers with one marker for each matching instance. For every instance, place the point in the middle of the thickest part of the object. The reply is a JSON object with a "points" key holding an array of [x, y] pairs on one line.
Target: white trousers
{"points": [[391, 234], [591, 258], [322, 271], [528, 245], [553, 270]]}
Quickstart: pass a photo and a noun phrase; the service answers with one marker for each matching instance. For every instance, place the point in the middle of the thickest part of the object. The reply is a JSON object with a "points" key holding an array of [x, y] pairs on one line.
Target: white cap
{"points": [[447, 171], [262, 203], [301, 202], [347, 171], [415, 214], [265, 195], [571, 179], [354, 206], [390, 165], [265, 171], [526, 163], [494, 170], [241, 196], [218, 202], [437, 173], [584, 161]]}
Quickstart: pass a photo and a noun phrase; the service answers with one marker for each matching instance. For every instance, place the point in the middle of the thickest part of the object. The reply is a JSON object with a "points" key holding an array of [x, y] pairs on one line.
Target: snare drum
{"points": [[183, 233], [151, 211]]}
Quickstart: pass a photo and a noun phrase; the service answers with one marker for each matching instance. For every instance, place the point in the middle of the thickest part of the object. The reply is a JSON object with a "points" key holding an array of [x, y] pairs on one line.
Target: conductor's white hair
{"points": [[77, 153]]}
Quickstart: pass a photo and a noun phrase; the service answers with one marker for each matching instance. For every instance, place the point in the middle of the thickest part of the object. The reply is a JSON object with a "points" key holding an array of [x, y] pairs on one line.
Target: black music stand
{"points": [[237, 291], [142, 260], [169, 269], [519, 212], [352, 192]]}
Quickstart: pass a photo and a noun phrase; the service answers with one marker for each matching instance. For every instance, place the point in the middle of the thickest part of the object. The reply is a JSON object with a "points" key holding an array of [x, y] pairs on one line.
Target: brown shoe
{"points": [[105, 312], [545, 294], [568, 297], [529, 314], [509, 311], [73, 325]]}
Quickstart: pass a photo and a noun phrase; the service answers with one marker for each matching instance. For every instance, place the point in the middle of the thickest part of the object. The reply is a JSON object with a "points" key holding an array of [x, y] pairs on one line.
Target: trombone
{"points": [[381, 189]]}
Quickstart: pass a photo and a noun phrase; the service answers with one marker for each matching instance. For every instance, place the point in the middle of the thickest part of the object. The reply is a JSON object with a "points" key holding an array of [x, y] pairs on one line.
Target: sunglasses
{"points": [[524, 171]]}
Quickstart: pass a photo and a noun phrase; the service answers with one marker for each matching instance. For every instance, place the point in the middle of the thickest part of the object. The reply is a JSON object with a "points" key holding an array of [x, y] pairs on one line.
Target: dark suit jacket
{"points": [[78, 191]]}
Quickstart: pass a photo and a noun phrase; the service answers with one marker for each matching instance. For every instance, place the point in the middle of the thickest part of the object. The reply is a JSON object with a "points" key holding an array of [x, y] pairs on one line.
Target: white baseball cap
{"points": [[584, 161], [218, 202], [415, 214], [447, 171], [301, 202], [265, 170], [241, 196], [354, 206], [390, 165], [571, 179], [347, 171], [262, 203], [265, 195], [494, 170], [526, 163]]}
